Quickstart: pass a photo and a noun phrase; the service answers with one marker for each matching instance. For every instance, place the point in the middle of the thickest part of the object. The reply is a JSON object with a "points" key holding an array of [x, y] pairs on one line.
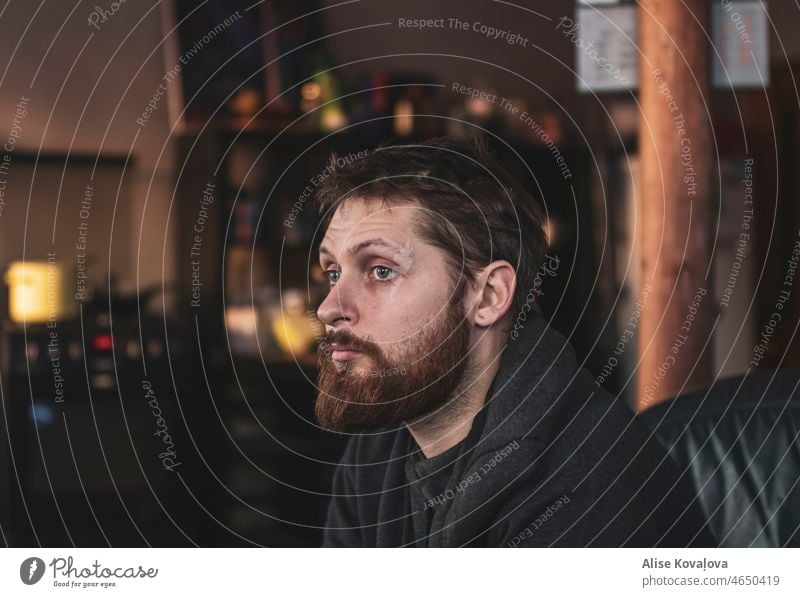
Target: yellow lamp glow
{"points": [[37, 292]]}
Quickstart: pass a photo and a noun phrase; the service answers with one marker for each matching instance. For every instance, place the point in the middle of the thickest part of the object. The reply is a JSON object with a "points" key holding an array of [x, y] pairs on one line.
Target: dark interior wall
{"points": [[466, 56], [53, 225], [85, 88]]}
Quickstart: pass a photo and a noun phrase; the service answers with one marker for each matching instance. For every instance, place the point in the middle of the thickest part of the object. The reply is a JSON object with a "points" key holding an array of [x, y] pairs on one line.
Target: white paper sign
{"points": [[740, 37], [606, 57]]}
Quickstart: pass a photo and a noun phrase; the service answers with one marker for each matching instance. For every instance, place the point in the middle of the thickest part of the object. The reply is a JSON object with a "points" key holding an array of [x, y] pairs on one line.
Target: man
{"points": [[471, 421]]}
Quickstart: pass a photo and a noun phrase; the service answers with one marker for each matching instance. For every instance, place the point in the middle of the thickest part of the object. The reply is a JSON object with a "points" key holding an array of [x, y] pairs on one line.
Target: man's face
{"points": [[397, 343]]}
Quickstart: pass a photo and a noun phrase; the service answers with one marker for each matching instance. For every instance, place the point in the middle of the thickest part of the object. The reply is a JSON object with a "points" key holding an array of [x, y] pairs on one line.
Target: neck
{"points": [[437, 432]]}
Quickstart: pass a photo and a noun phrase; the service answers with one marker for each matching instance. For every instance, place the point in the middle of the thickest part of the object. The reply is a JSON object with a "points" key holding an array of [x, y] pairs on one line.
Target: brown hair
{"points": [[472, 208]]}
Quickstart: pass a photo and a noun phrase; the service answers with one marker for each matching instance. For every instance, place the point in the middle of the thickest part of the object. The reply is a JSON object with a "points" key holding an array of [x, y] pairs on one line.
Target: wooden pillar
{"points": [[675, 222]]}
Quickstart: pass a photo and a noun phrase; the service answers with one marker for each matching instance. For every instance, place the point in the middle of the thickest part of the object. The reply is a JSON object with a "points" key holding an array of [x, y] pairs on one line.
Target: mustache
{"points": [[345, 338]]}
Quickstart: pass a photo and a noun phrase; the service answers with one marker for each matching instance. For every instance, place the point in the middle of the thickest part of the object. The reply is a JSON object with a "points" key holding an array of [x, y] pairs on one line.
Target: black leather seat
{"points": [[739, 441]]}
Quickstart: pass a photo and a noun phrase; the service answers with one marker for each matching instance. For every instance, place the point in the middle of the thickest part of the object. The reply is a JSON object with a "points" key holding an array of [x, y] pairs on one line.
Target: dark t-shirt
{"points": [[428, 490]]}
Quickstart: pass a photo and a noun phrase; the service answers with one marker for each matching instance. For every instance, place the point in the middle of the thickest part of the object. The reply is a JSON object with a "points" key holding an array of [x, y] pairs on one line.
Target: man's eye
{"points": [[332, 275], [384, 273]]}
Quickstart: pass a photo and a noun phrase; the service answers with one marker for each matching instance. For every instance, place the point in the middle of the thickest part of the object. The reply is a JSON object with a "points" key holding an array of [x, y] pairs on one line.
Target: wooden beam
{"points": [[675, 223]]}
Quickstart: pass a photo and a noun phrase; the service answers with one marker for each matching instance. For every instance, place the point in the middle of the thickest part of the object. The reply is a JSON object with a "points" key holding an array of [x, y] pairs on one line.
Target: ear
{"points": [[494, 292]]}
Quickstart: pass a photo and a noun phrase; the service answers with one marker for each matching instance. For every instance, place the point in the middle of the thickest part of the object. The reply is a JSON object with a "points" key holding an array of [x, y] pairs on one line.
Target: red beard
{"points": [[373, 390]]}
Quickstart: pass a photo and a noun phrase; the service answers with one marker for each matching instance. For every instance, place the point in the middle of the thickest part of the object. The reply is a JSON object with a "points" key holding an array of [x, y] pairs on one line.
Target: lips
{"points": [[343, 353]]}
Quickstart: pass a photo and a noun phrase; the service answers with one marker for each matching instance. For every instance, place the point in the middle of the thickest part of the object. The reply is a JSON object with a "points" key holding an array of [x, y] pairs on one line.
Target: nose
{"points": [[338, 308]]}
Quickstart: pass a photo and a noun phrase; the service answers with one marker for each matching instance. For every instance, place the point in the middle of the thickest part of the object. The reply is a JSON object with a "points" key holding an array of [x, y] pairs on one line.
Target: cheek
{"points": [[401, 313]]}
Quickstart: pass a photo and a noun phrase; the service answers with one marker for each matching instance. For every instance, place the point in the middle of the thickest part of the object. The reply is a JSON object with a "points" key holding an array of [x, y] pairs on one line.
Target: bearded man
{"points": [[471, 421]]}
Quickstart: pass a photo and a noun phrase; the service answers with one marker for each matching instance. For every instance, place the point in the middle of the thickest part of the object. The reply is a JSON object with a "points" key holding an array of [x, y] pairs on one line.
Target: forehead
{"points": [[357, 218]]}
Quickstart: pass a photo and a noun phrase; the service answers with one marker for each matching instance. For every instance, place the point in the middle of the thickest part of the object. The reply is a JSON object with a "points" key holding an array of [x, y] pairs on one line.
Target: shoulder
{"points": [[602, 479], [597, 424]]}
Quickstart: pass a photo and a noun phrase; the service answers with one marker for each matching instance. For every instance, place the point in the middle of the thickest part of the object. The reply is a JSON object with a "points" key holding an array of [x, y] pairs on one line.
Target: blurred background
{"points": [[157, 241]]}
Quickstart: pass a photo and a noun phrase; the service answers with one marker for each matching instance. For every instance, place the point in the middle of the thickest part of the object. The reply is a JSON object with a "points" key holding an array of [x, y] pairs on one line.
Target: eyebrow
{"points": [[361, 246]]}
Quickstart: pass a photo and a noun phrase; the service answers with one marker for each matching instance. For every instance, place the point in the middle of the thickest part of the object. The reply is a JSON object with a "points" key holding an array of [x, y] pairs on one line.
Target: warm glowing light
{"points": [[37, 292], [332, 118], [403, 118], [311, 91]]}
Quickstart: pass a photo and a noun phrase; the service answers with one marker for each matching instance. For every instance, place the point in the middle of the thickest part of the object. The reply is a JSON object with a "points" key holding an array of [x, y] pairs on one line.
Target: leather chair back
{"points": [[739, 440]]}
